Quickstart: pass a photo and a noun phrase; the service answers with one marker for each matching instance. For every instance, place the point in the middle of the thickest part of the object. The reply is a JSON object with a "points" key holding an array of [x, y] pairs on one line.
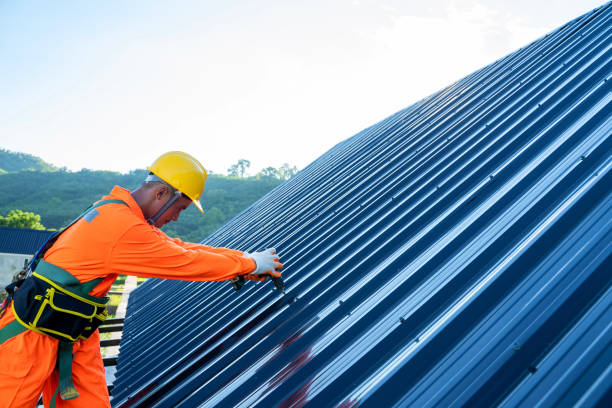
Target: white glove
{"points": [[266, 262]]}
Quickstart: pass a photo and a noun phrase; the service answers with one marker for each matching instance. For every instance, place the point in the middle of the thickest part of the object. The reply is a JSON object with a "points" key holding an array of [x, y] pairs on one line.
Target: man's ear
{"points": [[161, 192]]}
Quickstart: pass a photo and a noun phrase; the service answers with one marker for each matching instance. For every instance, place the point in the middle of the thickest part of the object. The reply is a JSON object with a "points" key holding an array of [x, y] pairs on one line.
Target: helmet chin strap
{"points": [[172, 200]]}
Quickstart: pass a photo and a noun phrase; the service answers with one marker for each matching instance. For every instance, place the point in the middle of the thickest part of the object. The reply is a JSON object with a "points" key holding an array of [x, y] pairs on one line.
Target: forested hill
{"points": [[60, 196], [13, 161]]}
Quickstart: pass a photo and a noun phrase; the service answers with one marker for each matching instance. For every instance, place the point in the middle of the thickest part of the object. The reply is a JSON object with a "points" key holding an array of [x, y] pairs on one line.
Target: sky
{"points": [[111, 85]]}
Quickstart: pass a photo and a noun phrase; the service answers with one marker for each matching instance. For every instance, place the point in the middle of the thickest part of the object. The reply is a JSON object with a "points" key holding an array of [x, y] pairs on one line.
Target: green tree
{"points": [[239, 169], [268, 172], [14, 161], [21, 219], [285, 172]]}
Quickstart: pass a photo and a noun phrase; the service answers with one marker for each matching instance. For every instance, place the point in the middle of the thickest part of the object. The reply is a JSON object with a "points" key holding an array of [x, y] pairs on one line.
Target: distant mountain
{"points": [[60, 196], [11, 162]]}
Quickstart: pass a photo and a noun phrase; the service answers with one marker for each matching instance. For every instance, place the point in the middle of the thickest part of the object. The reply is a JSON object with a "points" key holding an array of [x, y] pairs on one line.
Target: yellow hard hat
{"points": [[183, 172]]}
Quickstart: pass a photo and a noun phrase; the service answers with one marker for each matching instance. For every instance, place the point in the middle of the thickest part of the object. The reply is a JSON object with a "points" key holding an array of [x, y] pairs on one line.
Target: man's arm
{"points": [[193, 245], [147, 251]]}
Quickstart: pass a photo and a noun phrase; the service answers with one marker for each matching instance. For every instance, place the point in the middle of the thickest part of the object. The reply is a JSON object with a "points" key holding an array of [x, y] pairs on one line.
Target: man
{"points": [[119, 235]]}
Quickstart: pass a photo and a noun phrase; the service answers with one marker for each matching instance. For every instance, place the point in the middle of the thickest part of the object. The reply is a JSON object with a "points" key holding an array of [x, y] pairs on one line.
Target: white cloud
{"points": [[462, 38]]}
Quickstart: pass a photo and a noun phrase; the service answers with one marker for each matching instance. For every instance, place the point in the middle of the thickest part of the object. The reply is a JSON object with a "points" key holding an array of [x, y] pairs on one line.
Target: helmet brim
{"points": [[198, 205]]}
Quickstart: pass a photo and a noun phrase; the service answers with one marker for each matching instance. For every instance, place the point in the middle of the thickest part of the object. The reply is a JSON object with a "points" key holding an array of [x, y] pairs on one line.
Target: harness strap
{"points": [[10, 289], [67, 281], [52, 403], [67, 389], [11, 330], [87, 214], [162, 210]]}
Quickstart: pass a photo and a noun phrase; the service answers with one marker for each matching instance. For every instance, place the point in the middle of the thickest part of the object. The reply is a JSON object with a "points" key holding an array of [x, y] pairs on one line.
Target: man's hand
{"points": [[266, 264]]}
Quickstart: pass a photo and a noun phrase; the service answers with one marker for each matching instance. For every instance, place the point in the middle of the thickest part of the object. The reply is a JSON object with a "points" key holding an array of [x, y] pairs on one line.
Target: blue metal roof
{"points": [[458, 253], [22, 241]]}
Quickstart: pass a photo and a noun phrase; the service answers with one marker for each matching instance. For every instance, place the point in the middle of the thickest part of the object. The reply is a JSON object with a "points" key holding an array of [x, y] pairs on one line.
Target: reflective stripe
{"points": [[91, 214]]}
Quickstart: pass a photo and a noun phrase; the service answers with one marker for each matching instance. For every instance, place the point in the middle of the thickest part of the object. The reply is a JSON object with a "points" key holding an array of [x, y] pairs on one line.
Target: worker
{"points": [[119, 235]]}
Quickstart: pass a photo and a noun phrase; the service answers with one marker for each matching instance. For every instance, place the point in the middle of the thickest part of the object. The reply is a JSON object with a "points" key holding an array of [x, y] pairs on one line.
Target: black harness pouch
{"points": [[50, 308]]}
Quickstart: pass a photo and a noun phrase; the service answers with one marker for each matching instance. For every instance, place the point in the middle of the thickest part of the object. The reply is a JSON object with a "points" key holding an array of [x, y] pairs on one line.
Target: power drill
{"points": [[239, 281]]}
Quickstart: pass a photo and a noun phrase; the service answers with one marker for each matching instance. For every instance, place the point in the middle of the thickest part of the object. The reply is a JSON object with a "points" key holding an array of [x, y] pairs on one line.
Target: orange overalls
{"points": [[115, 240]]}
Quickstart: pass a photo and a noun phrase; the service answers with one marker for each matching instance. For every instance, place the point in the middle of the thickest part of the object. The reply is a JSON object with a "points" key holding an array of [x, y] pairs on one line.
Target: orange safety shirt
{"points": [[111, 239], [116, 239]]}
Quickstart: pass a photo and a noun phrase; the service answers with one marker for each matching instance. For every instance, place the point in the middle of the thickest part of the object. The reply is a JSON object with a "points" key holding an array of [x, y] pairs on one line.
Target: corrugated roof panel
{"points": [[457, 253], [22, 241]]}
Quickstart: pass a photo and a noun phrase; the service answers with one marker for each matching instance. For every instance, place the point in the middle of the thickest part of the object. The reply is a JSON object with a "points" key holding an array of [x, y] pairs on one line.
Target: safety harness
{"points": [[51, 301]]}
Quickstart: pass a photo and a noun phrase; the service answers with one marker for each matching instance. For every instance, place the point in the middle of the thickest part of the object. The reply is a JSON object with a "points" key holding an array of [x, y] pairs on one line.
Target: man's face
{"points": [[173, 212]]}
